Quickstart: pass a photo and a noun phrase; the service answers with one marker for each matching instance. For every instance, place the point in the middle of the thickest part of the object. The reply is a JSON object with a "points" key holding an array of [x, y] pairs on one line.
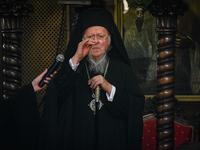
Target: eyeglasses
{"points": [[98, 36]]}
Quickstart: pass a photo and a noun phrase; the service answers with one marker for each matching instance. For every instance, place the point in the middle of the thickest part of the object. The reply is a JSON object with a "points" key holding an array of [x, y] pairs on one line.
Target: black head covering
{"points": [[98, 17]]}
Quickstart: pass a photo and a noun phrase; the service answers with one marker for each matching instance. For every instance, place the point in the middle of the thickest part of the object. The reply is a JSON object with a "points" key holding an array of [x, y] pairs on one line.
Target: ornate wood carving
{"points": [[11, 24], [166, 22]]}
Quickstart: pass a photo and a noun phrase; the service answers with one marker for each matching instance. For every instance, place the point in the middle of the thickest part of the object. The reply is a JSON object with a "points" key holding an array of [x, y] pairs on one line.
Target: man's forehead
{"points": [[96, 29]]}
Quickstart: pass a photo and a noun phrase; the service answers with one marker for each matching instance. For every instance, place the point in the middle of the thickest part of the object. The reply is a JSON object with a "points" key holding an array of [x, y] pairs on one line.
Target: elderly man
{"points": [[95, 56]]}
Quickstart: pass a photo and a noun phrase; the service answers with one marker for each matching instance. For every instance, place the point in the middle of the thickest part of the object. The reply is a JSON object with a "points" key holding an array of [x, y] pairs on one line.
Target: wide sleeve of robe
{"points": [[54, 120], [20, 121], [128, 102]]}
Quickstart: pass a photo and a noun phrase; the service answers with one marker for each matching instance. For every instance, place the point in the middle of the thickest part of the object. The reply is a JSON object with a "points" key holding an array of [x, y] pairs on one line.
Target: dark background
{"points": [[142, 50]]}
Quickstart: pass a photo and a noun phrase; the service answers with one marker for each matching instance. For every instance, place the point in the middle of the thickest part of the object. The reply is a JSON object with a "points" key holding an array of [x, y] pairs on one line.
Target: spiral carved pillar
{"points": [[11, 28], [165, 81], [166, 24]]}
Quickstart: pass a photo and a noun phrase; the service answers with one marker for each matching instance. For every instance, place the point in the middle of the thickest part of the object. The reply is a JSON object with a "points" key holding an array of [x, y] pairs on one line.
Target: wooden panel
{"points": [[1, 67]]}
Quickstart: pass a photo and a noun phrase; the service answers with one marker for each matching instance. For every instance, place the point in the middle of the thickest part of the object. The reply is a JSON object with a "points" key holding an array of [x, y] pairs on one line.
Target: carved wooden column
{"points": [[11, 28], [166, 23], [1, 68]]}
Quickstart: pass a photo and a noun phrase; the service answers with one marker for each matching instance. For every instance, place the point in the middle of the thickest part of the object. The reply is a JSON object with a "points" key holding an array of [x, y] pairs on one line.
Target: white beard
{"points": [[99, 66]]}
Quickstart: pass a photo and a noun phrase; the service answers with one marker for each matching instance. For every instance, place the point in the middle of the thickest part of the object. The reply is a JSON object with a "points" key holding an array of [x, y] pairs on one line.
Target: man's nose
{"points": [[95, 38]]}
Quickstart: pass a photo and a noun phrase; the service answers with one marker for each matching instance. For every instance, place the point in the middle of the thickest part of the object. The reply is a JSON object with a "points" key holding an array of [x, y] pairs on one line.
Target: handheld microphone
{"points": [[59, 58]]}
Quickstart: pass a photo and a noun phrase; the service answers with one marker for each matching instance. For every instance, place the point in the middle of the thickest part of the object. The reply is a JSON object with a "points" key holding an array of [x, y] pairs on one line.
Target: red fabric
{"points": [[182, 134], [149, 135]]}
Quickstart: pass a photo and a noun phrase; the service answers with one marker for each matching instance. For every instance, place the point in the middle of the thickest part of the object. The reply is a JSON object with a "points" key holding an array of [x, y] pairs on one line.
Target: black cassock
{"points": [[68, 121]]}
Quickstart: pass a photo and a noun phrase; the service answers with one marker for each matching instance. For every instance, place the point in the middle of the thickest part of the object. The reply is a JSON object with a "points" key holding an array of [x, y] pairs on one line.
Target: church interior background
{"points": [[46, 32]]}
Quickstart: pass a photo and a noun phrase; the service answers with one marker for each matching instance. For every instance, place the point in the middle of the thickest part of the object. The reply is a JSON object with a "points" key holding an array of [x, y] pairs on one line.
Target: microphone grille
{"points": [[60, 57]]}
